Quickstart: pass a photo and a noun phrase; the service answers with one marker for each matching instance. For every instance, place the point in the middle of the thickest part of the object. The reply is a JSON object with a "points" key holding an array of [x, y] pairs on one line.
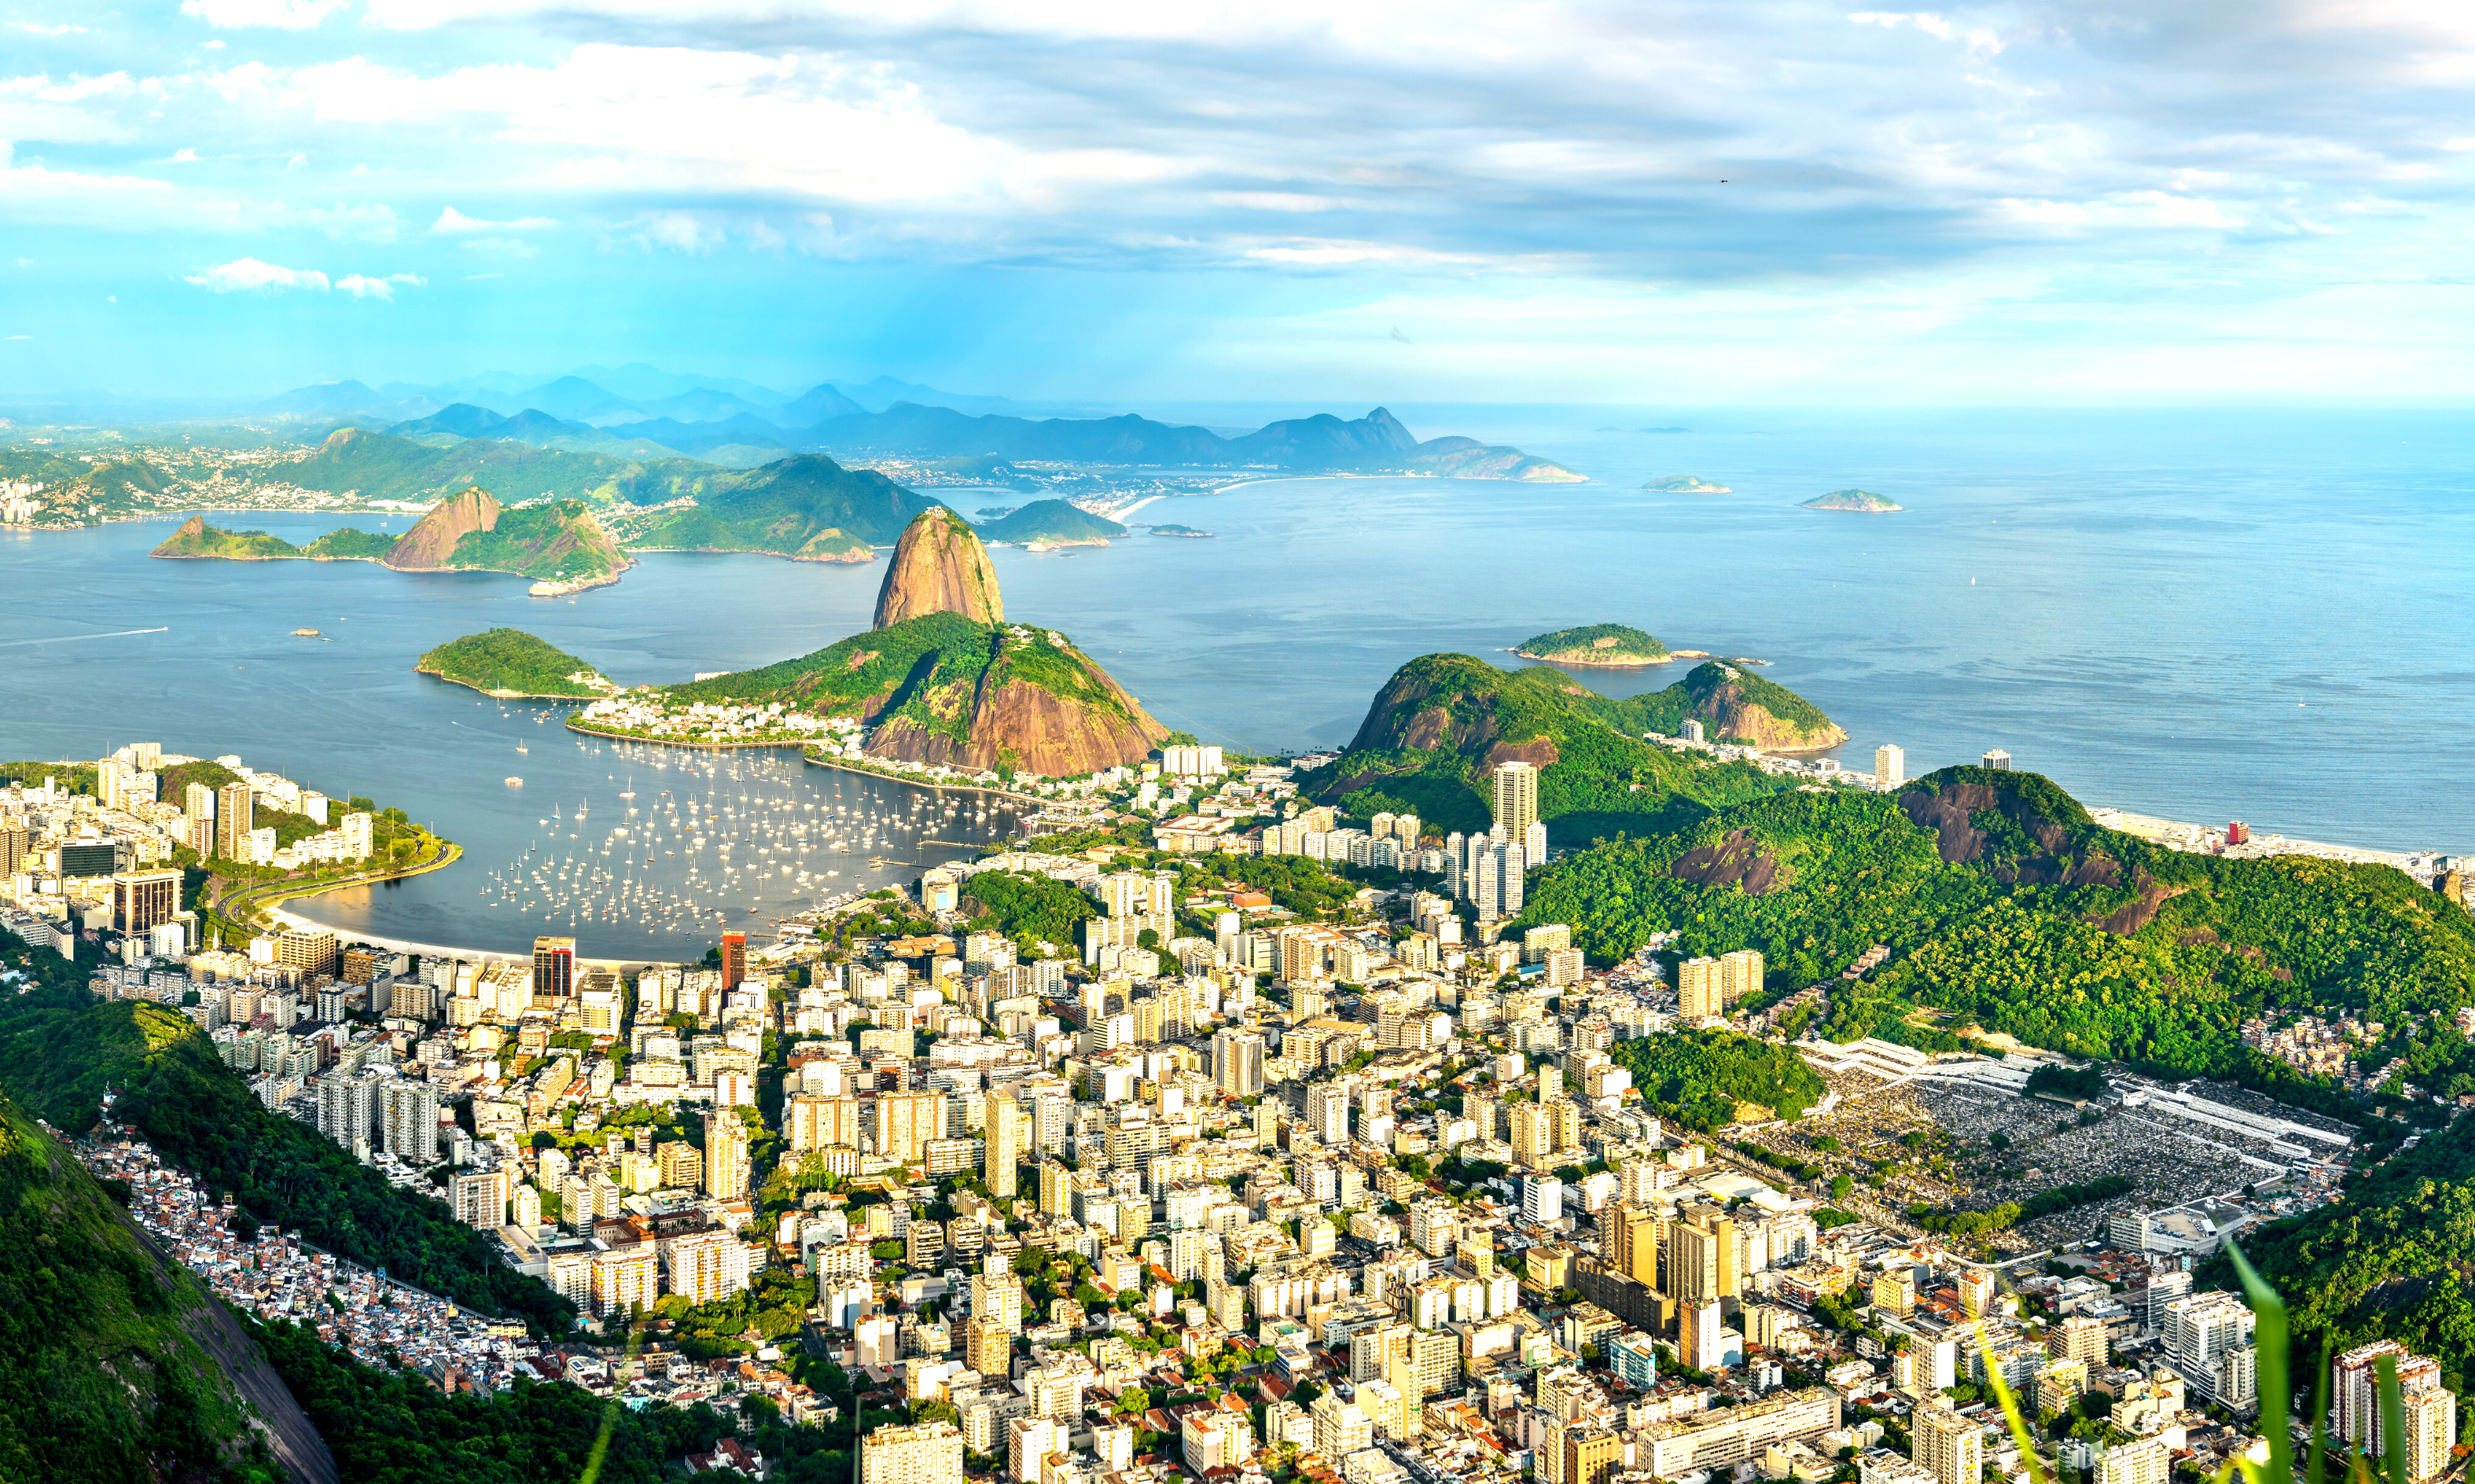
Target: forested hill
{"points": [[1443, 720], [59, 1050], [2386, 1261], [2006, 906]]}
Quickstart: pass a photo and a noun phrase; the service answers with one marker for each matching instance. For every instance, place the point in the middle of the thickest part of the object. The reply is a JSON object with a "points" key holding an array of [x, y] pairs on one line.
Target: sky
{"points": [[2182, 201]]}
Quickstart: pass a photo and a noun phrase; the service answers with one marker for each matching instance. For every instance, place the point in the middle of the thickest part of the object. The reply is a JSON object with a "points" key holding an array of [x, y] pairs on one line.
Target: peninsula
{"points": [[1863, 501], [1609, 645], [513, 664], [1051, 522]]}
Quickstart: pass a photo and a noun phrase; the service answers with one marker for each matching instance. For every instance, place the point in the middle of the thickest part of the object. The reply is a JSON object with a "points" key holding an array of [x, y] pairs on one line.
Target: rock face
{"points": [[1738, 707], [1005, 718], [432, 539], [938, 566]]}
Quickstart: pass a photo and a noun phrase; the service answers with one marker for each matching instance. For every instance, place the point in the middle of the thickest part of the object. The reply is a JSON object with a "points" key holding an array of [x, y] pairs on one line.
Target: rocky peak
{"points": [[938, 566], [434, 536]]}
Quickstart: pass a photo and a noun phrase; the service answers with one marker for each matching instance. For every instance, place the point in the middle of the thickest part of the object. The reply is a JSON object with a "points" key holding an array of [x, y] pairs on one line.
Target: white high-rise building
{"points": [[409, 1120], [1890, 766]]}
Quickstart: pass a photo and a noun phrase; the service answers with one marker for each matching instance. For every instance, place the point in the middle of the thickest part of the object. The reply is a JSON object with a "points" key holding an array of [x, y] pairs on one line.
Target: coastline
{"points": [[503, 695], [573, 725], [1669, 658], [844, 765]]}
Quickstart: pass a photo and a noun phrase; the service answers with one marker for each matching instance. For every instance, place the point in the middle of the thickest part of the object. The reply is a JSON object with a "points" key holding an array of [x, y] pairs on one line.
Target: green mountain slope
{"points": [[2004, 905], [511, 662], [100, 1338], [1051, 522], [804, 507], [2386, 1261], [1442, 721], [197, 539], [942, 687], [1734, 705], [58, 1055], [1595, 643]]}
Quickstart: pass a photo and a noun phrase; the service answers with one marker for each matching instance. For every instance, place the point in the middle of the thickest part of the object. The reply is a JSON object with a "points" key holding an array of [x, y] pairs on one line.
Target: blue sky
{"points": [[1512, 200]]}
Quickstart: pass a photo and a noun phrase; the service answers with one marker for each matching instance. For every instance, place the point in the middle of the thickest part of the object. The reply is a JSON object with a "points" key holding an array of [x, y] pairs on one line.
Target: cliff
{"points": [[556, 542], [127, 1369], [1734, 705], [433, 538], [1597, 644], [938, 566]]}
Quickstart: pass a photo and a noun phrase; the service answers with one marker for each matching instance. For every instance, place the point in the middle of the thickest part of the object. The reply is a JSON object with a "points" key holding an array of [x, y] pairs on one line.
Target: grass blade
{"points": [[2319, 1456], [2010, 1406], [2276, 1395], [2392, 1421]]}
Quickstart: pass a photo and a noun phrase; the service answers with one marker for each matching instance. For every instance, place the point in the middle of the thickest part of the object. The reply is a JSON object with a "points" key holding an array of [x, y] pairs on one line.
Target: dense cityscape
{"points": [[1078, 1161]]}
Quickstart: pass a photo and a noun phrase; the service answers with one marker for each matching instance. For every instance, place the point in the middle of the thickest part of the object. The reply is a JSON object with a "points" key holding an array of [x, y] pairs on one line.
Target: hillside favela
{"points": [[1637, 745]]}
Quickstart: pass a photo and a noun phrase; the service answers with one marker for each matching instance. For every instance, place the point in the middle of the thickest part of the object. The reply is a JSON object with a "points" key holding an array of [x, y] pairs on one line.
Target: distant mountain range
{"points": [[746, 440], [604, 397]]}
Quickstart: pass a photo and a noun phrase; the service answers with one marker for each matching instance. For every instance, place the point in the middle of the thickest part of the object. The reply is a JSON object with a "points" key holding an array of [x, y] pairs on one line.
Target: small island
{"points": [[1180, 531], [1610, 644], [558, 543], [1863, 501], [513, 664], [197, 539], [1051, 522], [1686, 484]]}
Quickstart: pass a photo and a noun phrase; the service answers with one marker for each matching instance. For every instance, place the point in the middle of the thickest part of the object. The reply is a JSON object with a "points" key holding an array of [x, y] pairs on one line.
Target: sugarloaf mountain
{"points": [[944, 678]]}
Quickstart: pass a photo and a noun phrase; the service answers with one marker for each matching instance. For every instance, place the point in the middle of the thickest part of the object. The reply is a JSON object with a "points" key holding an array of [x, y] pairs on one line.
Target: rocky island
{"points": [[1610, 644], [513, 664], [1686, 484], [1863, 501], [943, 679], [557, 543]]}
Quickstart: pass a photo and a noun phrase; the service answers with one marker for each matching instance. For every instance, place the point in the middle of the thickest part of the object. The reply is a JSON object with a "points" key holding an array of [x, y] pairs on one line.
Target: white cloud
{"points": [[62, 30], [248, 274], [360, 287], [1926, 21], [453, 223], [286, 14]]}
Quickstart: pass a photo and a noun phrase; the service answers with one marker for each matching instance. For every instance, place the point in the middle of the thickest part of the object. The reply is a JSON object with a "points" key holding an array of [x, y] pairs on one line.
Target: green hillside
{"points": [[1442, 721], [508, 660], [197, 539], [380, 466], [108, 1381], [2388, 1261], [556, 540], [349, 544], [1052, 523], [1734, 705], [805, 506], [1595, 643], [59, 1051], [2006, 906]]}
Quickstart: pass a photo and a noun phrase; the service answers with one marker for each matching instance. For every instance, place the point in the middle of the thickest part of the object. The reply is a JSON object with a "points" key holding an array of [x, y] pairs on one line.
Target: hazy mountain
{"points": [[815, 405], [1375, 441], [745, 430], [883, 393], [327, 397], [531, 425], [639, 382]]}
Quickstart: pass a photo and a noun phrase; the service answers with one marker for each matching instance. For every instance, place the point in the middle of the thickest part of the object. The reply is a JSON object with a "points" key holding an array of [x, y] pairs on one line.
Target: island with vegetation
{"points": [[557, 543], [1051, 522], [1610, 644], [1179, 530], [1686, 484], [1863, 501], [515, 665]]}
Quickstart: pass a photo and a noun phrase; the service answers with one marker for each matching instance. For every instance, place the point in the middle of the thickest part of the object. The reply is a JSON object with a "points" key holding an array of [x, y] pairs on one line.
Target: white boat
{"points": [[515, 783]]}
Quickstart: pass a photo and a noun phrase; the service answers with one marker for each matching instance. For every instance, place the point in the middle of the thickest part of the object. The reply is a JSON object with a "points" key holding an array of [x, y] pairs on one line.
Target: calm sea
{"points": [[2202, 616]]}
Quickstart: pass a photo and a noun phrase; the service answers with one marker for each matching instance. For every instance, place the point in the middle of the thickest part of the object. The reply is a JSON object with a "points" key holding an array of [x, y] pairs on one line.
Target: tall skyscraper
{"points": [[198, 802], [235, 815], [905, 1123], [725, 1153], [142, 899], [1949, 1445], [1890, 766], [1004, 1151], [553, 968], [1237, 1062], [1516, 798], [1740, 975], [409, 1120], [734, 960]]}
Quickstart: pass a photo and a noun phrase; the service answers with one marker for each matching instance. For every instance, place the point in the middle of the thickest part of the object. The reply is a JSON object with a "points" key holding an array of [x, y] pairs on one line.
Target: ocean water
{"points": [[2200, 616]]}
